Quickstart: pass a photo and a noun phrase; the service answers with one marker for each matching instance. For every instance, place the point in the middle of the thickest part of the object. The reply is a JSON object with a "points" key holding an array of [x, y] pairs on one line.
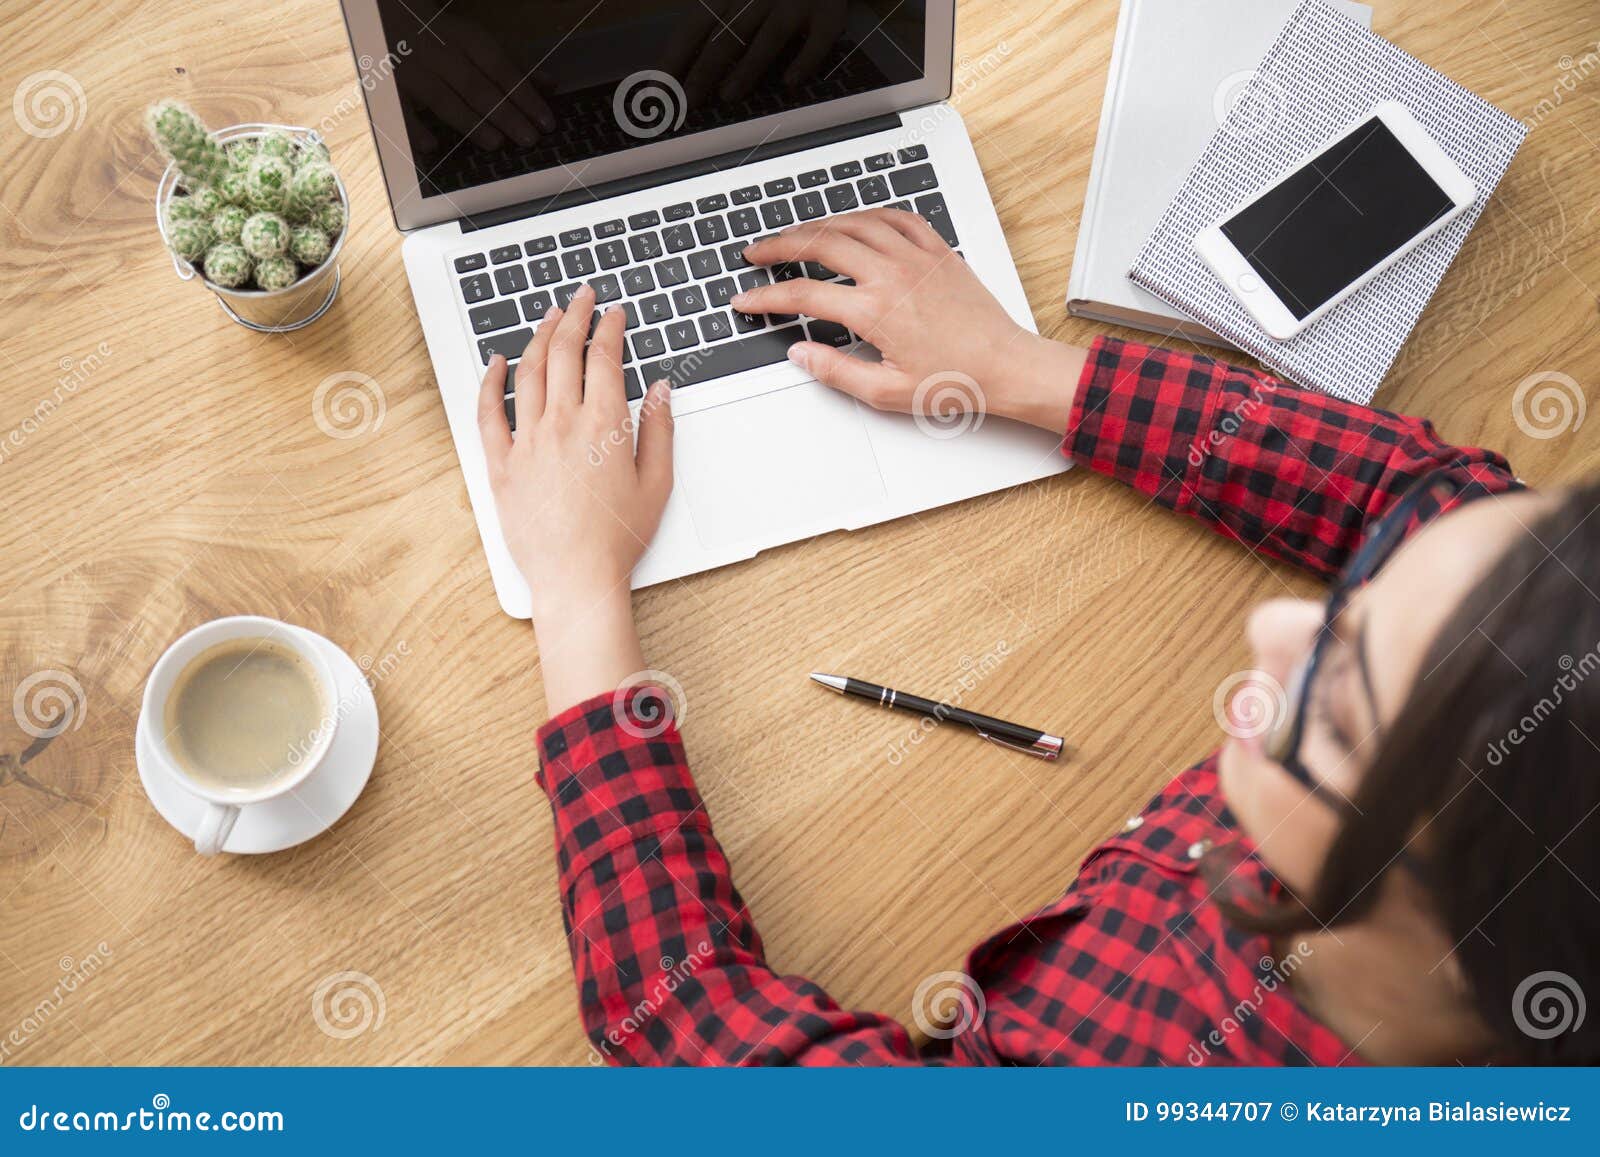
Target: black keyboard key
{"points": [[671, 272], [903, 205], [645, 246], [638, 280], [718, 361], [654, 310], [508, 343], [648, 343], [744, 222], [716, 326], [841, 198], [578, 263], [733, 257], [747, 323], [606, 289], [847, 170], [511, 412], [817, 271], [746, 195], [545, 271], [712, 204], [689, 300], [575, 237], [813, 178], [511, 279], [678, 238], [539, 245], [610, 229], [677, 212], [720, 291], [881, 161], [711, 230], [937, 214], [630, 313], [704, 264], [918, 179], [627, 354], [681, 335], [566, 293], [611, 254], [535, 306], [809, 206], [505, 253], [830, 333], [913, 154], [873, 190], [777, 214], [644, 220], [632, 386], [788, 271], [779, 187], [477, 288], [754, 279], [468, 263], [495, 315]]}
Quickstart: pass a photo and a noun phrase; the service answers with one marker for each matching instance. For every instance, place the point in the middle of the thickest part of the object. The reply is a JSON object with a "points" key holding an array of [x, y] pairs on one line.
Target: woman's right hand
{"points": [[940, 331]]}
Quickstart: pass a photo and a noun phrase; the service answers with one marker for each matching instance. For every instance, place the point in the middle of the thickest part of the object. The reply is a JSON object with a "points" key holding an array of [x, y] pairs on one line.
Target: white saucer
{"points": [[308, 810]]}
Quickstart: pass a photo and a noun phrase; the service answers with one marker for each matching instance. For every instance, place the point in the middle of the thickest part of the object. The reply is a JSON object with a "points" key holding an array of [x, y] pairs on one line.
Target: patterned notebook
{"points": [[1323, 73]]}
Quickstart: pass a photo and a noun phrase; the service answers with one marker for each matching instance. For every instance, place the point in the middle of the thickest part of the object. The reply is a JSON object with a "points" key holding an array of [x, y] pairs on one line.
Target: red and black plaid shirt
{"points": [[1133, 964]]}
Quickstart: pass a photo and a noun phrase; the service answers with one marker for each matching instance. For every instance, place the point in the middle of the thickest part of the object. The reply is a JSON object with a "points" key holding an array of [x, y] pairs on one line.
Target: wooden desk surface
{"points": [[161, 467]]}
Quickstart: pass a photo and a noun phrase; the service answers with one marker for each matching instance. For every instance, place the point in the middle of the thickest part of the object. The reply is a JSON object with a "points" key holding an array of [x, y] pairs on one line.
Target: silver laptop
{"points": [[529, 147]]}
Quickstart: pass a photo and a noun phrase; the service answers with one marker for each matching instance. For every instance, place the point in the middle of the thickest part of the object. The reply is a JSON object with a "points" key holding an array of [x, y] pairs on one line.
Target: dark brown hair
{"points": [[1495, 759]]}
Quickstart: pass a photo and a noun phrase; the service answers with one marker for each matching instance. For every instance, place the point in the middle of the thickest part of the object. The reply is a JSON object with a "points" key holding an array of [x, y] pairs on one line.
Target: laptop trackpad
{"points": [[776, 467]]}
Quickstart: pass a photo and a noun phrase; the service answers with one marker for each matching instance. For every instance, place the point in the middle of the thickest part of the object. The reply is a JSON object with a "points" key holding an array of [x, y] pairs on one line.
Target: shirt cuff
{"points": [[614, 769]]}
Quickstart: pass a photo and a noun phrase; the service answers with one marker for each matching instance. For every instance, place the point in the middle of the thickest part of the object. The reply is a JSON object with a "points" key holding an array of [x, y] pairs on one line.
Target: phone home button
{"points": [[1249, 283]]}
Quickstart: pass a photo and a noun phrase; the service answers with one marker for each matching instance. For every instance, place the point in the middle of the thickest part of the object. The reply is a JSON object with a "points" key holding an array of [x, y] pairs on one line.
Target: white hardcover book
{"points": [[1177, 66]]}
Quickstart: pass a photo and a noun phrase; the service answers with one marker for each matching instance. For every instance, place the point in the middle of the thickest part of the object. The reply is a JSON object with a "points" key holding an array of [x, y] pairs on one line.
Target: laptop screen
{"points": [[495, 89]]}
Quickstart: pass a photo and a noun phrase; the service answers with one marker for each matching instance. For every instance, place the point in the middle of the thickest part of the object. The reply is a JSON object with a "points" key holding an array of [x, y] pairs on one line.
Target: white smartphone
{"points": [[1298, 247]]}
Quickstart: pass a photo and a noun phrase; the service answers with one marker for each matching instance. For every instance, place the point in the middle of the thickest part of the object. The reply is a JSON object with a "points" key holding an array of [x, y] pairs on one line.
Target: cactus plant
{"points": [[259, 212]]}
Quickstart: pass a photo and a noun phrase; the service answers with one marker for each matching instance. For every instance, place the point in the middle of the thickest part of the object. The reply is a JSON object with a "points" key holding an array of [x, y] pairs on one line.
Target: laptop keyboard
{"points": [[676, 269]]}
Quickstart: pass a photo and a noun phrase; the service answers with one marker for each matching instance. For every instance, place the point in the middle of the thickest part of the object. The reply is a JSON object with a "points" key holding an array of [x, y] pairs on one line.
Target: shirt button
{"points": [[1134, 824], [1199, 848]]}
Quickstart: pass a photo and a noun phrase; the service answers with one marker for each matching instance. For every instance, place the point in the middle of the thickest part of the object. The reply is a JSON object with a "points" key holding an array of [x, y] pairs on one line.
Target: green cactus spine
{"points": [[228, 223], [190, 238], [227, 265], [276, 273], [187, 143], [313, 184], [265, 235]]}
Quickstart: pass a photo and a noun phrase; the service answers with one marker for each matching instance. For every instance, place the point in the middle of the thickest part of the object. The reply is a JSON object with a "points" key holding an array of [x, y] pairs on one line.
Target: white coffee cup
{"points": [[226, 804]]}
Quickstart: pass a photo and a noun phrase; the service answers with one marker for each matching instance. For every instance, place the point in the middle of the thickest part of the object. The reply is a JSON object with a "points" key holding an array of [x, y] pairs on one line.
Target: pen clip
{"points": [[1045, 747]]}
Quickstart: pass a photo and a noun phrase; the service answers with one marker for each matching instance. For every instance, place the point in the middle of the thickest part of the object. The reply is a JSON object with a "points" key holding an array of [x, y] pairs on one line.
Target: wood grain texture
{"points": [[160, 467]]}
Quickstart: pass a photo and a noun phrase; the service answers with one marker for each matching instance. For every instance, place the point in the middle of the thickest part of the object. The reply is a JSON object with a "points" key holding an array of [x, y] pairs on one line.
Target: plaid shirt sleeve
{"points": [[1291, 472], [669, 965]]}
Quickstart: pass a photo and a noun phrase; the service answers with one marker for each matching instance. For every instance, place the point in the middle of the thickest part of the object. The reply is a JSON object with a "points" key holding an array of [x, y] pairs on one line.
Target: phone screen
{"points": [[1331, 221]]}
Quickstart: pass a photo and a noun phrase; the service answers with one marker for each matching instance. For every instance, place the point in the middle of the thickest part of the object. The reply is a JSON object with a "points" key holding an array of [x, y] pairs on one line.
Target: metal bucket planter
{"points": [[276, 310]]}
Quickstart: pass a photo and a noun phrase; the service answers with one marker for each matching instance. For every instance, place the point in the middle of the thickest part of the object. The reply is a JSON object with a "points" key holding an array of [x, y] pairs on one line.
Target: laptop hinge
{"points": [[720, 163]]}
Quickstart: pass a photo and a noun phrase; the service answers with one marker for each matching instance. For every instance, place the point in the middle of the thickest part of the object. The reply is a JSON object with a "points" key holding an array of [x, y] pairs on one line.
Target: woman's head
{"points": [[1452, 742]]}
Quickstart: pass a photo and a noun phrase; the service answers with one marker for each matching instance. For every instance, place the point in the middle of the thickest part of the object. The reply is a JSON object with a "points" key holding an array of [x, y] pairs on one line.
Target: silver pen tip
{"points": [[833, 682]]}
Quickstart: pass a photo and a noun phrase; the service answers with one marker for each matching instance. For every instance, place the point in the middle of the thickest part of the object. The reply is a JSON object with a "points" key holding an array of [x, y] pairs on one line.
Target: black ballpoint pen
{"points": [[1030, 740]]}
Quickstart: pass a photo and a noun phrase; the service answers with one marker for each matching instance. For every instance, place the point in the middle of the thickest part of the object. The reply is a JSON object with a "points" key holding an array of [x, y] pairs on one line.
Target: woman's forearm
{"points": [[1040, 382], [587, 650]]}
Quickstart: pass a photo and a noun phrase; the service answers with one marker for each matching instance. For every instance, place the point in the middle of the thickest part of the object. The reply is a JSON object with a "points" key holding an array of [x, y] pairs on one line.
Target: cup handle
{"points": [[215, 828]]}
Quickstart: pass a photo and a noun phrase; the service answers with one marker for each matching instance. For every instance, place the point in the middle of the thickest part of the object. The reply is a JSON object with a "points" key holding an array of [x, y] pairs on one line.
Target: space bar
{"points": [[718, 361]]}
